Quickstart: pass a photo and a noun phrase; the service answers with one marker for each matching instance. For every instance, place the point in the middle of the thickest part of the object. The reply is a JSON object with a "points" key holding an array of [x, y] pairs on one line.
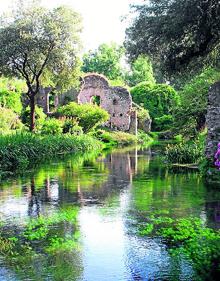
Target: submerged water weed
{"points": [[191, 238], [43, 235]]}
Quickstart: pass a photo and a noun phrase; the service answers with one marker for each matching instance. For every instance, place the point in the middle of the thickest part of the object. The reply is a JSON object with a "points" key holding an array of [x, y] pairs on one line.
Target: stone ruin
{"points": [[117, 101], [213, 121], [49, 101], [95, 89]]}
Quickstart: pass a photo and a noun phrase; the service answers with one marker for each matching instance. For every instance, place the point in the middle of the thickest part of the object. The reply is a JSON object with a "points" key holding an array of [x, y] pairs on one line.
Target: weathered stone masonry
{"points": [[213, 121], [116, 101]]}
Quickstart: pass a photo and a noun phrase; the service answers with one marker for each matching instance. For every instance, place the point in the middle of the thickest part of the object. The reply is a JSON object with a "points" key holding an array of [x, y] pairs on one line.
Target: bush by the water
{"points": [[88, 116], [191, 152], [9, 121], [19, 151], [159, 99], [116, 137]]}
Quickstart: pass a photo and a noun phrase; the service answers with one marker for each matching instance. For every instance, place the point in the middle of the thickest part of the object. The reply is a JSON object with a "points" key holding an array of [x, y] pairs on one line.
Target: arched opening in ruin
{"points": [[115, 102], [52, 101], [96, 100]]}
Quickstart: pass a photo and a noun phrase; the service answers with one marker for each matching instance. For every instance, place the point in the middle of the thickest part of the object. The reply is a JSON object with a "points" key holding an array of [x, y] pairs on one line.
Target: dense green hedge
{"points": [[88, 116], [159, 99]]}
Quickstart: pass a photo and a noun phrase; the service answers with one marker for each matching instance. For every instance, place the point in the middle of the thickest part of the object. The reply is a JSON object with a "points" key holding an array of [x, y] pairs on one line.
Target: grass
{"points": [[21, 151], [118, 138]]}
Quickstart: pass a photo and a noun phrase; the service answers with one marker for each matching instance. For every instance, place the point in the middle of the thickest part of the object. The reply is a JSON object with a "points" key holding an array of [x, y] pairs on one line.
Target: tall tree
{"points": [[105, 60], [175, 32], [141, 70], [41, 47]]}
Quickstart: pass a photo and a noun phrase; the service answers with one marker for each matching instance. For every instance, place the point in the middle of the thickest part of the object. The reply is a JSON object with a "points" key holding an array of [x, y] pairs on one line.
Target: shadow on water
{"points": [[97, 204]]}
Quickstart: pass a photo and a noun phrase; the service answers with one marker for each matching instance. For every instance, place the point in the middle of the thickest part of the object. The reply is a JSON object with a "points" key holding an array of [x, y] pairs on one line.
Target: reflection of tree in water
{"points": [[34, 201]]}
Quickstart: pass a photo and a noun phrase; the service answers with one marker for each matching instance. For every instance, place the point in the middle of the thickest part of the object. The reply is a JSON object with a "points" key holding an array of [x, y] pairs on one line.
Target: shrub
{"points": [[185, 152], [40, 117], [10, 94], [158, 99], [71, 126], [163, 123], [88, 116], [52, 126], [144, 120], [116, 138], [8, 121]]}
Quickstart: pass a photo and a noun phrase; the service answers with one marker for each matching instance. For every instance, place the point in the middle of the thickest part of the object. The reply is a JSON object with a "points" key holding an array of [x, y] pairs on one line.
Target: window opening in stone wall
{"points": [[96, 100], [115, 102]]}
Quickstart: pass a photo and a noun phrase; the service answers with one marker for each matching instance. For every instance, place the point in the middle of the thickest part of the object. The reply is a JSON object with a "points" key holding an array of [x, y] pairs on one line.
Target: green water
{"points": [[79, 218]]}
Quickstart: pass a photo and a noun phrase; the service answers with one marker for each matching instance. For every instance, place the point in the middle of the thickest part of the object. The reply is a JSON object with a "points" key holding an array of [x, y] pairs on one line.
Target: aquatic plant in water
{"points": [[188, 237], [41, 236]]}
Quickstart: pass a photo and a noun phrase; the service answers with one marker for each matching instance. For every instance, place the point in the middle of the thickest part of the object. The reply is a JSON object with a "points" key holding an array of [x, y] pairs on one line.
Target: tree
{"points": [[41, 47], [191, 113], [105, 60], [141, 70], [160, 100], [176, 32]]}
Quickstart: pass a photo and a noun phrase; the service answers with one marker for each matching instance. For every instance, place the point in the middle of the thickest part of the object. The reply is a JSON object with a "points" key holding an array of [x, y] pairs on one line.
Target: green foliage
{"points": [[141, 71], [105, 60], [88, 116], [41, 236], [41, 47], [191, 152], [10, 94], [115, 137], [144, 120], [20, 151], [164, 122], [144, 138], [175, 32], [191, 238], [160, 100], [9, 121], [40, 117], [52, 126], [71, 126], [191, 113]]}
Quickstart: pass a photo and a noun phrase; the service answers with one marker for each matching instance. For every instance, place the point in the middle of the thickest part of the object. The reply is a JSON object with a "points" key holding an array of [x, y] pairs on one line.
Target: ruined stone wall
{"points": [[213, 121], [116, 101]]}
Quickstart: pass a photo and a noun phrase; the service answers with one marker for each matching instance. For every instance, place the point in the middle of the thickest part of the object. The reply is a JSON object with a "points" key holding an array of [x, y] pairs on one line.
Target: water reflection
{"points": [[115, 194]]}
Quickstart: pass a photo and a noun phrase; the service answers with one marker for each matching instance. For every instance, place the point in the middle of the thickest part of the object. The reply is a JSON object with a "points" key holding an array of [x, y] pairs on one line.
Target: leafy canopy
{"points": [[176, 32], [141, 70], [105, 60], [160, 100], [191, 114], [40, 46]]}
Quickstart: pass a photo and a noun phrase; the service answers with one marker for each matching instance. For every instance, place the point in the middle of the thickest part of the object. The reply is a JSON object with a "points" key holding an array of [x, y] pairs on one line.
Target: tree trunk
{"points": [[32, 113]]}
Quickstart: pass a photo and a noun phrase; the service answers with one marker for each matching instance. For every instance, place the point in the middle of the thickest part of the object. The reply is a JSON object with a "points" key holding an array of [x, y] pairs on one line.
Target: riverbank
{"points": [[21, 151]]}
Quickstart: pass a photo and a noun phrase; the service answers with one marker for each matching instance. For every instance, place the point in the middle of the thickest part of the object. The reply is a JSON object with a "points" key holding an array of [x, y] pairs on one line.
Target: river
{"points": [[112, 194]]}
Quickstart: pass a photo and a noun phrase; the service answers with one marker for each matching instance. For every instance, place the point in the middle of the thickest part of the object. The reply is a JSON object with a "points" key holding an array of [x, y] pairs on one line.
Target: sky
{"points": [[101, 18]]}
